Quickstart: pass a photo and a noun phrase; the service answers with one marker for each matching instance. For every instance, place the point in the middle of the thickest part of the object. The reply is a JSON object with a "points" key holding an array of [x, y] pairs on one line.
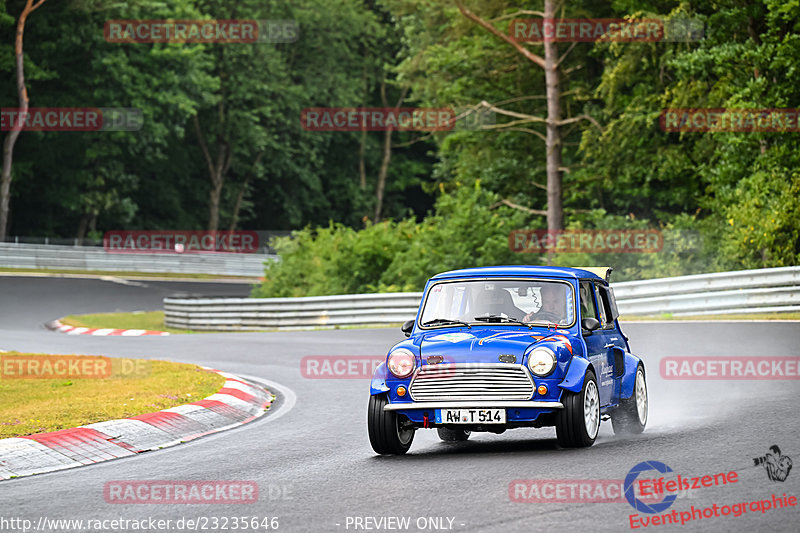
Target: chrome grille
{"points": [[471, 381]]}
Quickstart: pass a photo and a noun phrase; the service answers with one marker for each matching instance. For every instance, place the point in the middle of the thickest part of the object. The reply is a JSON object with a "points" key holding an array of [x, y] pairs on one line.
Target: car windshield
{"points": [[494, 301]]}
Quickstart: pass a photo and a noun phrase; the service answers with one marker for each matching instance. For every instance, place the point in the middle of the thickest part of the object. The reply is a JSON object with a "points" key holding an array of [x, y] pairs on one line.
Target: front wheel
{"points": [[387, 432], [631, 415], [578, 423]]}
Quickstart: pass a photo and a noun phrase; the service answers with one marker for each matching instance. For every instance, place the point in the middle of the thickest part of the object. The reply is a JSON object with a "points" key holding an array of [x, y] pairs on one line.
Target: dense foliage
{"points": [[724, 200]]}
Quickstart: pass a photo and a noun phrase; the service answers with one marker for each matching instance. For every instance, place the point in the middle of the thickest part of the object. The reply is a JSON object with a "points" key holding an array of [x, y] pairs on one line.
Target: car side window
{"points": [[609, 303], [612, 300], [603, 308], [588, 309]]}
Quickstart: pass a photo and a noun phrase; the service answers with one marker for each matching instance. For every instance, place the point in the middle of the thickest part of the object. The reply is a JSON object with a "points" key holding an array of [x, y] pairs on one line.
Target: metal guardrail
{"points": [[747, 291], [93, 258], [290, 313], [744, 291], [718, 281], [265, 238]]}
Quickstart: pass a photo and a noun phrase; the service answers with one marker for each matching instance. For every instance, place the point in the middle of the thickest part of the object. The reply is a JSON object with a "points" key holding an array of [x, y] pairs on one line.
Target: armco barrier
{"points": [[743, 291], [288, 313], [94, 258], [747, 291]]}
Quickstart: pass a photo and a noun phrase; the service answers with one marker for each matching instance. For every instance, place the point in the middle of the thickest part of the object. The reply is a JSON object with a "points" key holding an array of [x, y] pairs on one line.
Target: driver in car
{"points": [[553, 305], [497, 301]]}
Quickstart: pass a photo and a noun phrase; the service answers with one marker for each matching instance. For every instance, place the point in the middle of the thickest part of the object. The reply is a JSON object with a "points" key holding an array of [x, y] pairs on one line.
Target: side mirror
{"points": [[408, 327], [590, 324]]}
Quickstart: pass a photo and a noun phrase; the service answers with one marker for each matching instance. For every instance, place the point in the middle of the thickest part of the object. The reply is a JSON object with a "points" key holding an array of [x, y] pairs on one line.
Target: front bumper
{"points": [[519, 413], [499, 404]]}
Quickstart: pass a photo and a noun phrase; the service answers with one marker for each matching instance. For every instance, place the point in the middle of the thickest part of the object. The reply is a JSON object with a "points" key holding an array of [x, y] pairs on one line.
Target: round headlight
{"points": [[541, 361], [401, 363]]}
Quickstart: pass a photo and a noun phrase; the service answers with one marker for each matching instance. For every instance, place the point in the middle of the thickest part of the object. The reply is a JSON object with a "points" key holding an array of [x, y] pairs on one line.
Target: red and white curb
{"points": [[236, 403], [56, 325]]}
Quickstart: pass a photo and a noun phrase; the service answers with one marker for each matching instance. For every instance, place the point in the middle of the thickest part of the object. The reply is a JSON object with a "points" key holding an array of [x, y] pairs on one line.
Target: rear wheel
{"points": [[631, 415], [453, 435], [389, 433], [578, 423]]}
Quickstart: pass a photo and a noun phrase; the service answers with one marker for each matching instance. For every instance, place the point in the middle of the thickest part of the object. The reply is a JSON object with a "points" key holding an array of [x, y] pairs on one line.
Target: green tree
{"points": [[75, 179], [22, 96], [739, 184]]}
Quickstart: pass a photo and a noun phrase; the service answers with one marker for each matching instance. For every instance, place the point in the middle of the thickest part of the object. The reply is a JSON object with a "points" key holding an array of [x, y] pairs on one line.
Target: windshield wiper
{"points": [[548, 323], [442, 321], [501, 318]]}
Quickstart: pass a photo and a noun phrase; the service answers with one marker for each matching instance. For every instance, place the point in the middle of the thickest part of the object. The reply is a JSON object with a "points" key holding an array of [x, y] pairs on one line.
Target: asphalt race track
{"points": [[311, 456]]}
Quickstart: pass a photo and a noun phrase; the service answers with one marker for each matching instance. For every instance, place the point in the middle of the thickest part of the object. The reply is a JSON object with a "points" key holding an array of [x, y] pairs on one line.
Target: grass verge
{"points": [[35, 405], [149, 320], [154, 321]]}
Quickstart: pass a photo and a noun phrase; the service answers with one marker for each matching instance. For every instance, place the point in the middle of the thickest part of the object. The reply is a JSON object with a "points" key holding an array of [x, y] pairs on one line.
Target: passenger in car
{"points": [[554, 305]]}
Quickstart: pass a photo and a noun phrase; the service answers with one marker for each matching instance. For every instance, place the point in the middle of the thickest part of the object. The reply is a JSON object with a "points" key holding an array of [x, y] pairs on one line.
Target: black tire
{"points": [[573, 428], [453, 435], [628, 418], [385, 434]]}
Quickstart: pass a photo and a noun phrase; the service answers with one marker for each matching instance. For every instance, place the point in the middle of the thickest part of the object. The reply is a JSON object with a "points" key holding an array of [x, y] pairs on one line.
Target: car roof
{"points": [[519, 271]]}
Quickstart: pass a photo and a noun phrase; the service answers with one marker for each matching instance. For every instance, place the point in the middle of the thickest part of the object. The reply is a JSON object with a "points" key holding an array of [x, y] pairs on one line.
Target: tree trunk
{"points": [[216, 169], [387, 152], [213, 204], [5, 181], [555, 212], [362, 168], [83, 224], [550, 64], [387, 157], [237, 206], [11, 137]]}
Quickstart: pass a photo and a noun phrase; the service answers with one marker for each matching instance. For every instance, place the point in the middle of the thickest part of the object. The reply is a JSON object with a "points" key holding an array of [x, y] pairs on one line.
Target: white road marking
{"points": [[123, 281]]}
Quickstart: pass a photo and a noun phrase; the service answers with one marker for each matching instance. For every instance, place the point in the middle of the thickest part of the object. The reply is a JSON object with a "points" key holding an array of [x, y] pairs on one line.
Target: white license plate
{"points": [[470, 416]]}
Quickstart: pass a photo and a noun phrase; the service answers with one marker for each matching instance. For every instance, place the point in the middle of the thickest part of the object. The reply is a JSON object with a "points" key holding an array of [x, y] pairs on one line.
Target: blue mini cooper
{"points": [[497, 348]]}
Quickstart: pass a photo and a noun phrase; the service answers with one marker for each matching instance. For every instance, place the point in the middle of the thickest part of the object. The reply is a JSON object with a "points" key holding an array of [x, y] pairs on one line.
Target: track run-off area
{"points": [[313, 467]]}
